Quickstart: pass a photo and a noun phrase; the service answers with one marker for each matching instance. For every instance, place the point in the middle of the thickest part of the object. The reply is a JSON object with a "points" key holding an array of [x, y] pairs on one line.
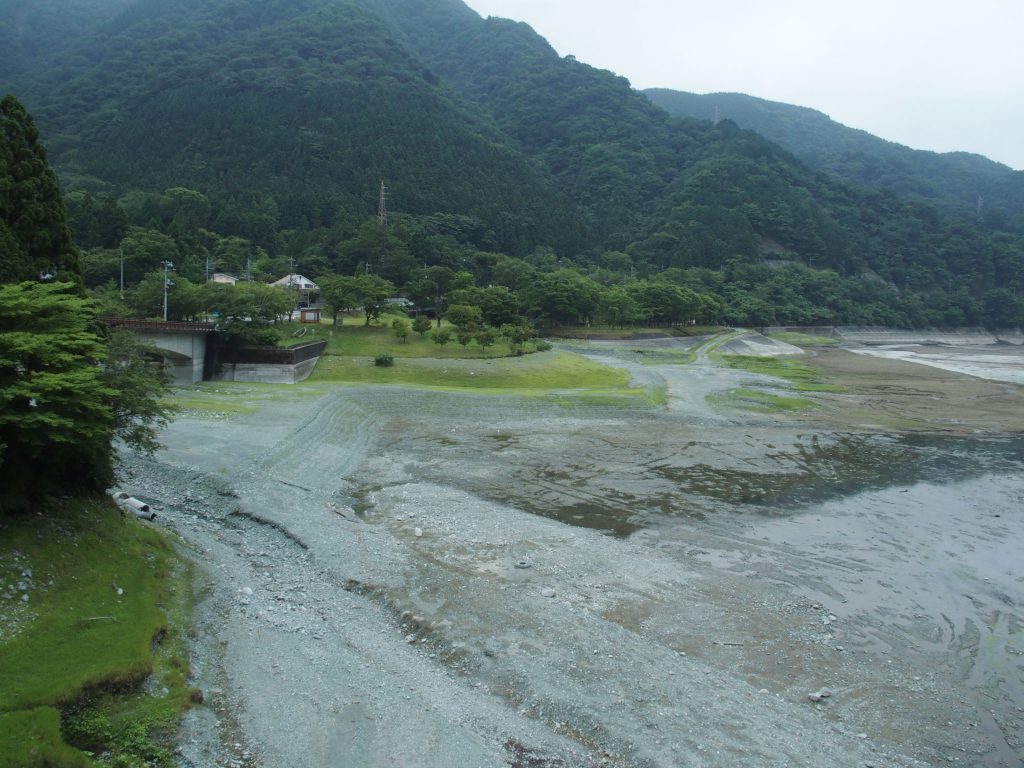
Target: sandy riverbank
{"points": [[420, 578]]}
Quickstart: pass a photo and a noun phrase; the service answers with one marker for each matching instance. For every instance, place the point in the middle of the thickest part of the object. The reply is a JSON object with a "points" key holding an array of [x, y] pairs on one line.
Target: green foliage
{"points": [[297, 90], [562, 190], [384, 360], [486, 337], [140, 409], [64, 393], [442, 336], [951, 182], [465, 317], [371, 291], [421, 324], [401, 328], [34, 235], [338, 294], [56, 416]]}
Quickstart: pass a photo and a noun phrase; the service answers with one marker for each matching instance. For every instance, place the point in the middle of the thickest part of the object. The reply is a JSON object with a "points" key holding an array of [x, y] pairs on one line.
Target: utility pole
{"points": [[120, 252], [382, 209], [167, 284]]}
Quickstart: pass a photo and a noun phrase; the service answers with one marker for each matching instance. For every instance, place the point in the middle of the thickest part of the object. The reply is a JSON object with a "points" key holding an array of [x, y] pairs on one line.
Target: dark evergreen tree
{"points": [[34, 235]]}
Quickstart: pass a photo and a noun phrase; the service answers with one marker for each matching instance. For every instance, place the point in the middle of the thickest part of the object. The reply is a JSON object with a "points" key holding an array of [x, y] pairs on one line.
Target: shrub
{"points": [[542, 346], [384, 360], [442, 336]]}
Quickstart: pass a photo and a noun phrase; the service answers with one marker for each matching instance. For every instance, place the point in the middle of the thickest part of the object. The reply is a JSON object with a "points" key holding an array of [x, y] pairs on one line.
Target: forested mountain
{"points": [[284, 114], [952, 181], [29, 31], [255, 132]]}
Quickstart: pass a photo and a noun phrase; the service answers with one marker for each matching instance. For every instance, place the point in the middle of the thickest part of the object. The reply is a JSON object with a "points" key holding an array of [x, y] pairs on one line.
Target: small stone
{"points": [[815, 697], [24, 598], [547, 592], [247, 591], [825, 693], [410, 638], [522, 563], [417, 532]]}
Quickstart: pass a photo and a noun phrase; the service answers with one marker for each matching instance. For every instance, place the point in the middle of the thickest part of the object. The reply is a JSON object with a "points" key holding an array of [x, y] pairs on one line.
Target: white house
{"points": [[303, 285]]}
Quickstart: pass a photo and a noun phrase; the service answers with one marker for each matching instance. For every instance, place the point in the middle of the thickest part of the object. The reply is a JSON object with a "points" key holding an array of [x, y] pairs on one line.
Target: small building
{"points": [[309, 315], [223, 277], [305, 287]]}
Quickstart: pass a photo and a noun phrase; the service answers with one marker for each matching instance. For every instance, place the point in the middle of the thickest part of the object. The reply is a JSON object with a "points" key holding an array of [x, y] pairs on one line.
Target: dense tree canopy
{"points": [[34, 237], [66, 393], [261, 153]]}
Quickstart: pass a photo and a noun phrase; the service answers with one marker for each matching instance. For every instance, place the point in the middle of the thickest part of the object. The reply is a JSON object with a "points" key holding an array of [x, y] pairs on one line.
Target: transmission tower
{"points": [[718, 116], [382, 207]]}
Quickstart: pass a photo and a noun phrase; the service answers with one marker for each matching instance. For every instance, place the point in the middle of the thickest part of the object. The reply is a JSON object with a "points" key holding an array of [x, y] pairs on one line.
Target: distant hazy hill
{"points": [[31, 29], [953, 181]]}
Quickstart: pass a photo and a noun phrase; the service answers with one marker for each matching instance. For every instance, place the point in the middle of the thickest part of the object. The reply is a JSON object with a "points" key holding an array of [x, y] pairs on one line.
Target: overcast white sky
{"points": [[938, 74]]}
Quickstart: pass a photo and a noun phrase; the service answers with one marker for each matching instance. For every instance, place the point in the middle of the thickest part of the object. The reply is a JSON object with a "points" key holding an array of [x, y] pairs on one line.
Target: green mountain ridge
{"points": [[952, 181], [165, 96], [279, 119]]}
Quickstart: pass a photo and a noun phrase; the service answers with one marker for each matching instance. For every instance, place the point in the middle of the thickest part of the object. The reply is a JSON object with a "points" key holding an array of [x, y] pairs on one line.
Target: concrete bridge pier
{"points": [[182, 345]]}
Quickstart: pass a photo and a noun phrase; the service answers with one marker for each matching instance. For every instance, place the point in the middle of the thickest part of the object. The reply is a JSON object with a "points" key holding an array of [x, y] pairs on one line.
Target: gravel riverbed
{"points": [[395, 577]]}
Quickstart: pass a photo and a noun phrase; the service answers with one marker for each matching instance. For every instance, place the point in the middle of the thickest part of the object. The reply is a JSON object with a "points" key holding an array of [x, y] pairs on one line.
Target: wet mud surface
{"points": [[428, 578]]}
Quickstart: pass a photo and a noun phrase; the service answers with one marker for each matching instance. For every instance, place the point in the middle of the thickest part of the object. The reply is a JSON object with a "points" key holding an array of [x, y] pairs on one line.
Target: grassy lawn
{"points": [[544, 371], [107, 601], [419, 362], [636, 333], [353, 338]]}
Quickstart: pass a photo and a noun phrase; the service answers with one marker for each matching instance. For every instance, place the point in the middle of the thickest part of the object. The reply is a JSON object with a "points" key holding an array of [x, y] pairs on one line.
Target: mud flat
{"points": [[458, 579]]}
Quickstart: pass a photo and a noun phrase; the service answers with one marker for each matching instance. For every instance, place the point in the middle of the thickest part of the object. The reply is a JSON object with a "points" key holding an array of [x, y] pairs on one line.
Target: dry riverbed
{"points": [[447, 579]]}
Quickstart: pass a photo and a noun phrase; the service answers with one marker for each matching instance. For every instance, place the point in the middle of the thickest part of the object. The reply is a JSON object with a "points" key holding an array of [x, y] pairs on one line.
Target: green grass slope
{"points": [[106, 603]]}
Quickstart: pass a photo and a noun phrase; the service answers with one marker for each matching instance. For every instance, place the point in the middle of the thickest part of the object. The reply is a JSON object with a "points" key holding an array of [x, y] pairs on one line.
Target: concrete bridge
{"points": [[182, 345]]}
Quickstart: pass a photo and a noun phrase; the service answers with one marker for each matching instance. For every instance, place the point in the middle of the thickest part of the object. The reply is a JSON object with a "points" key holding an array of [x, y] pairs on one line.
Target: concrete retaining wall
{"points": [[271, 365], [966, 336], [267, 373]]}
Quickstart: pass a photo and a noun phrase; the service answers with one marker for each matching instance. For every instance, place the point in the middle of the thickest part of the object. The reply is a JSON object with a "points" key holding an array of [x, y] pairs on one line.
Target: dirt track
{"points": [[436, 579]]}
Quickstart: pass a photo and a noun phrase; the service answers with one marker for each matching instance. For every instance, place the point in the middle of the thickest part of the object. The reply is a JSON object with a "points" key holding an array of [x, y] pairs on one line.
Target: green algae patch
{"points": [[801, 376], [94, 660], [761, 402], [798, 339]]}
